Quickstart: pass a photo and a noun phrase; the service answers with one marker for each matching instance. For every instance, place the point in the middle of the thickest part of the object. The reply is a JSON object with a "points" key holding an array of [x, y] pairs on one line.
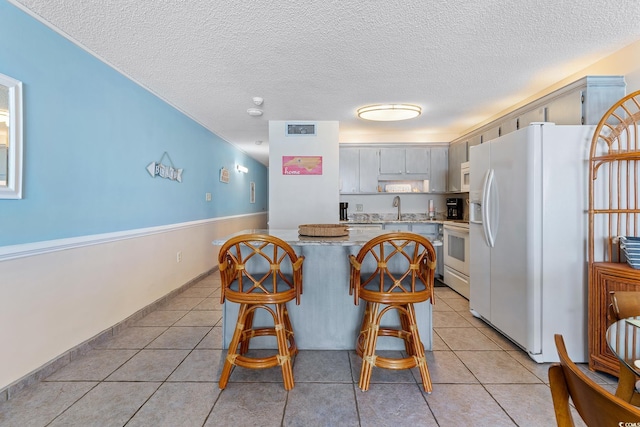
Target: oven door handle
{"points": [[459, 231]]}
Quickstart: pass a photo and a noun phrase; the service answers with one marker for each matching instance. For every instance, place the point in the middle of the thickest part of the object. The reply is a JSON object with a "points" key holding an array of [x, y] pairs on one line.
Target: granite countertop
{"points": [[374, 218], [291, 236]]}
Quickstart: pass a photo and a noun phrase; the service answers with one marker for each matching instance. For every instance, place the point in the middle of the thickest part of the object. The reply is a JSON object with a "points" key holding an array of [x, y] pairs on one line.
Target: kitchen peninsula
{"points": [[327, 318]]}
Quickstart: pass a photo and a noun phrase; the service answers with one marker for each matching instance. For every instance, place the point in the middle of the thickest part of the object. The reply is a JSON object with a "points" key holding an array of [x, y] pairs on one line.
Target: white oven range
{"points": [[456, 257]]}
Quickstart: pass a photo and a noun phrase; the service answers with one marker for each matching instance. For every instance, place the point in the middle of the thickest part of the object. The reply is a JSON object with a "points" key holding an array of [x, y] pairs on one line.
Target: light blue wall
{"points": [[89, 133]]}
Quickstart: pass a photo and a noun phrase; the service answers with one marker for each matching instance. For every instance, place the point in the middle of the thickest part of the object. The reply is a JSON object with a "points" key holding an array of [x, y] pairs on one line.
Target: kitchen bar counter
{"points": [[291, 236], [327, 318]]}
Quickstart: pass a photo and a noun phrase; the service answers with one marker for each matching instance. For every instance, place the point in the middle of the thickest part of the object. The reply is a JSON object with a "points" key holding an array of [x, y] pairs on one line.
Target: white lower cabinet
{"points": [[366, 226], [397, 226]]}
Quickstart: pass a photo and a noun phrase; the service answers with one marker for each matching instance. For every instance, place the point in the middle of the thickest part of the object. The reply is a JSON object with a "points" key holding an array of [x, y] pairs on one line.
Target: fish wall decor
{"points": [[164, 171]]}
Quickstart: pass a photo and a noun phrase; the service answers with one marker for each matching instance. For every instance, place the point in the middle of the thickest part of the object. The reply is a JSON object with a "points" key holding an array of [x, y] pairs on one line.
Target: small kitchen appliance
{"points": [[343, 211], [454, 208]]}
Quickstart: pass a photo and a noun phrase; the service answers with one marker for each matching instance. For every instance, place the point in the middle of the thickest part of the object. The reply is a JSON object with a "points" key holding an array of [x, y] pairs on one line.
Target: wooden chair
{"points": [[596, 406], [623, 304], [395, 270], [260, 272]]}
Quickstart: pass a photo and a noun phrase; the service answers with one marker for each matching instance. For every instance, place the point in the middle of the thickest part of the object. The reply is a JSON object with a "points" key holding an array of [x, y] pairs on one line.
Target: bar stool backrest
{"points": [[258, 268], [397, 266]]}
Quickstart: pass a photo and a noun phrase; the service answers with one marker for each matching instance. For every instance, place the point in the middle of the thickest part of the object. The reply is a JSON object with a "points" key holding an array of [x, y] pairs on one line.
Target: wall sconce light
{"points": [[242, 169]]}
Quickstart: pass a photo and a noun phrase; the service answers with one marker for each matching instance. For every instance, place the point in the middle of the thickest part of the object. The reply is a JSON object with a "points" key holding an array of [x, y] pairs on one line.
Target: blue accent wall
{"points": [[89, 134]]}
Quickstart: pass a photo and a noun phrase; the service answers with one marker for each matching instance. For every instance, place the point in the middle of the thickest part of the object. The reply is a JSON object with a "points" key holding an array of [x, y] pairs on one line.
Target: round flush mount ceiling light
{"points": [[254, 112], [389, 112]]}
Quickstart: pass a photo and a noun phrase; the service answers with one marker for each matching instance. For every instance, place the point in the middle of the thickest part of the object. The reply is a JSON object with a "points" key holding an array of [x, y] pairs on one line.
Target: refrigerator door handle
{"points": [[486, 194]]}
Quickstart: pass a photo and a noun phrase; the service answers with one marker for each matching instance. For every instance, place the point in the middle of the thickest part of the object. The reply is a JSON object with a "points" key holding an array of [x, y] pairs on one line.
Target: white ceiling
{"points": [[461, 61]]}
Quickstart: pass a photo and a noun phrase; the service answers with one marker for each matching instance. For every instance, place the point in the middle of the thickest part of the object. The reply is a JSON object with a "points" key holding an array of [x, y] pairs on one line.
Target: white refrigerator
{"points": [[528, 200]]}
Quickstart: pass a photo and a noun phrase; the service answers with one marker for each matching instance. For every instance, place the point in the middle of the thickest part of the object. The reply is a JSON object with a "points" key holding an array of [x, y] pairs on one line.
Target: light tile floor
{"points": [[163, 371]]}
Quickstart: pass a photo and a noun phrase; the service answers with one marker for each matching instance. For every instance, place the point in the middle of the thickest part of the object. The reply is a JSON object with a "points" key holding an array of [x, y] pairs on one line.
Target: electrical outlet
{"points": [[207, 197], [359, 208], [179, 256]]}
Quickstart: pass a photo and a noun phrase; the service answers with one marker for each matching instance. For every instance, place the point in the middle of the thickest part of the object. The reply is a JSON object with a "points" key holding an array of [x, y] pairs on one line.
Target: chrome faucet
{"points": [[396, 204]]}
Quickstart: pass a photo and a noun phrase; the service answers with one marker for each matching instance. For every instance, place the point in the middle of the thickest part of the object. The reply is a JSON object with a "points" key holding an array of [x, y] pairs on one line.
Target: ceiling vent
{"points": [[301, 129]]}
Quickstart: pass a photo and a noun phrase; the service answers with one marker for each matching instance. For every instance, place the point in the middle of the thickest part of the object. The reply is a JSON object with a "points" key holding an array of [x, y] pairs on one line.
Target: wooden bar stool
{"points": [[260, 272], [394, 270]]}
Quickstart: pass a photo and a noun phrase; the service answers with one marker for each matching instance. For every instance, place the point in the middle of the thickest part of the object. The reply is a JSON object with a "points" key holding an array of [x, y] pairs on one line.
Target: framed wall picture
{"points": [[302, 165], [224, 175]]}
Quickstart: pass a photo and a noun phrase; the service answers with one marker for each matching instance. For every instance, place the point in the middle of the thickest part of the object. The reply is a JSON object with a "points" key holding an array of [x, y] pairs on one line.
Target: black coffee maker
{"points": [[343, 211], [454, 208]]}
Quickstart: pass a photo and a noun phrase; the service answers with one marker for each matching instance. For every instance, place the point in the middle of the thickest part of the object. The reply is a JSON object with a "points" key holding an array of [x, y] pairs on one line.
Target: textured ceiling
{"points": [[462, 61]]}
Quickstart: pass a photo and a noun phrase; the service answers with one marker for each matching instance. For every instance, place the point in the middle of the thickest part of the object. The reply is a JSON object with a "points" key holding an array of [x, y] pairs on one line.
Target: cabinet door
{"points": [[457, 155], [368, 174], [430, 231], [439, 169], [397, 226], [476, 140], [509, 126], [417, 161], [535, 115], [392, 160], [491, 133], [349, 170], [566, 110]]}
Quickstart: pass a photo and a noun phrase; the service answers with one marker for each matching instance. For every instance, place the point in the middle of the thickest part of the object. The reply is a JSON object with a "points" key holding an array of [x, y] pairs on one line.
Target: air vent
{"points": [[301, 129]]}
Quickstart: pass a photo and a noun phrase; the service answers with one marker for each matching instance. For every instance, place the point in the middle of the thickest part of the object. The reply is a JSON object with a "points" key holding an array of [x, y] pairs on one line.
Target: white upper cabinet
{"points": [[405, 163], [566, 110], [358, 170], [392, 161], [418, 161], [368, 175], [349, 170], [457, 156], [584, 101], [491, 133], [475, 140], [364, 168], [439, 169], [532, 116]]}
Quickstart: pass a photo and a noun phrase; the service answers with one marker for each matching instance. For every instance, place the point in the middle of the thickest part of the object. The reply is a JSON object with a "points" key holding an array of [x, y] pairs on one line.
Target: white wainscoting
{"points": [[57, 295]]}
